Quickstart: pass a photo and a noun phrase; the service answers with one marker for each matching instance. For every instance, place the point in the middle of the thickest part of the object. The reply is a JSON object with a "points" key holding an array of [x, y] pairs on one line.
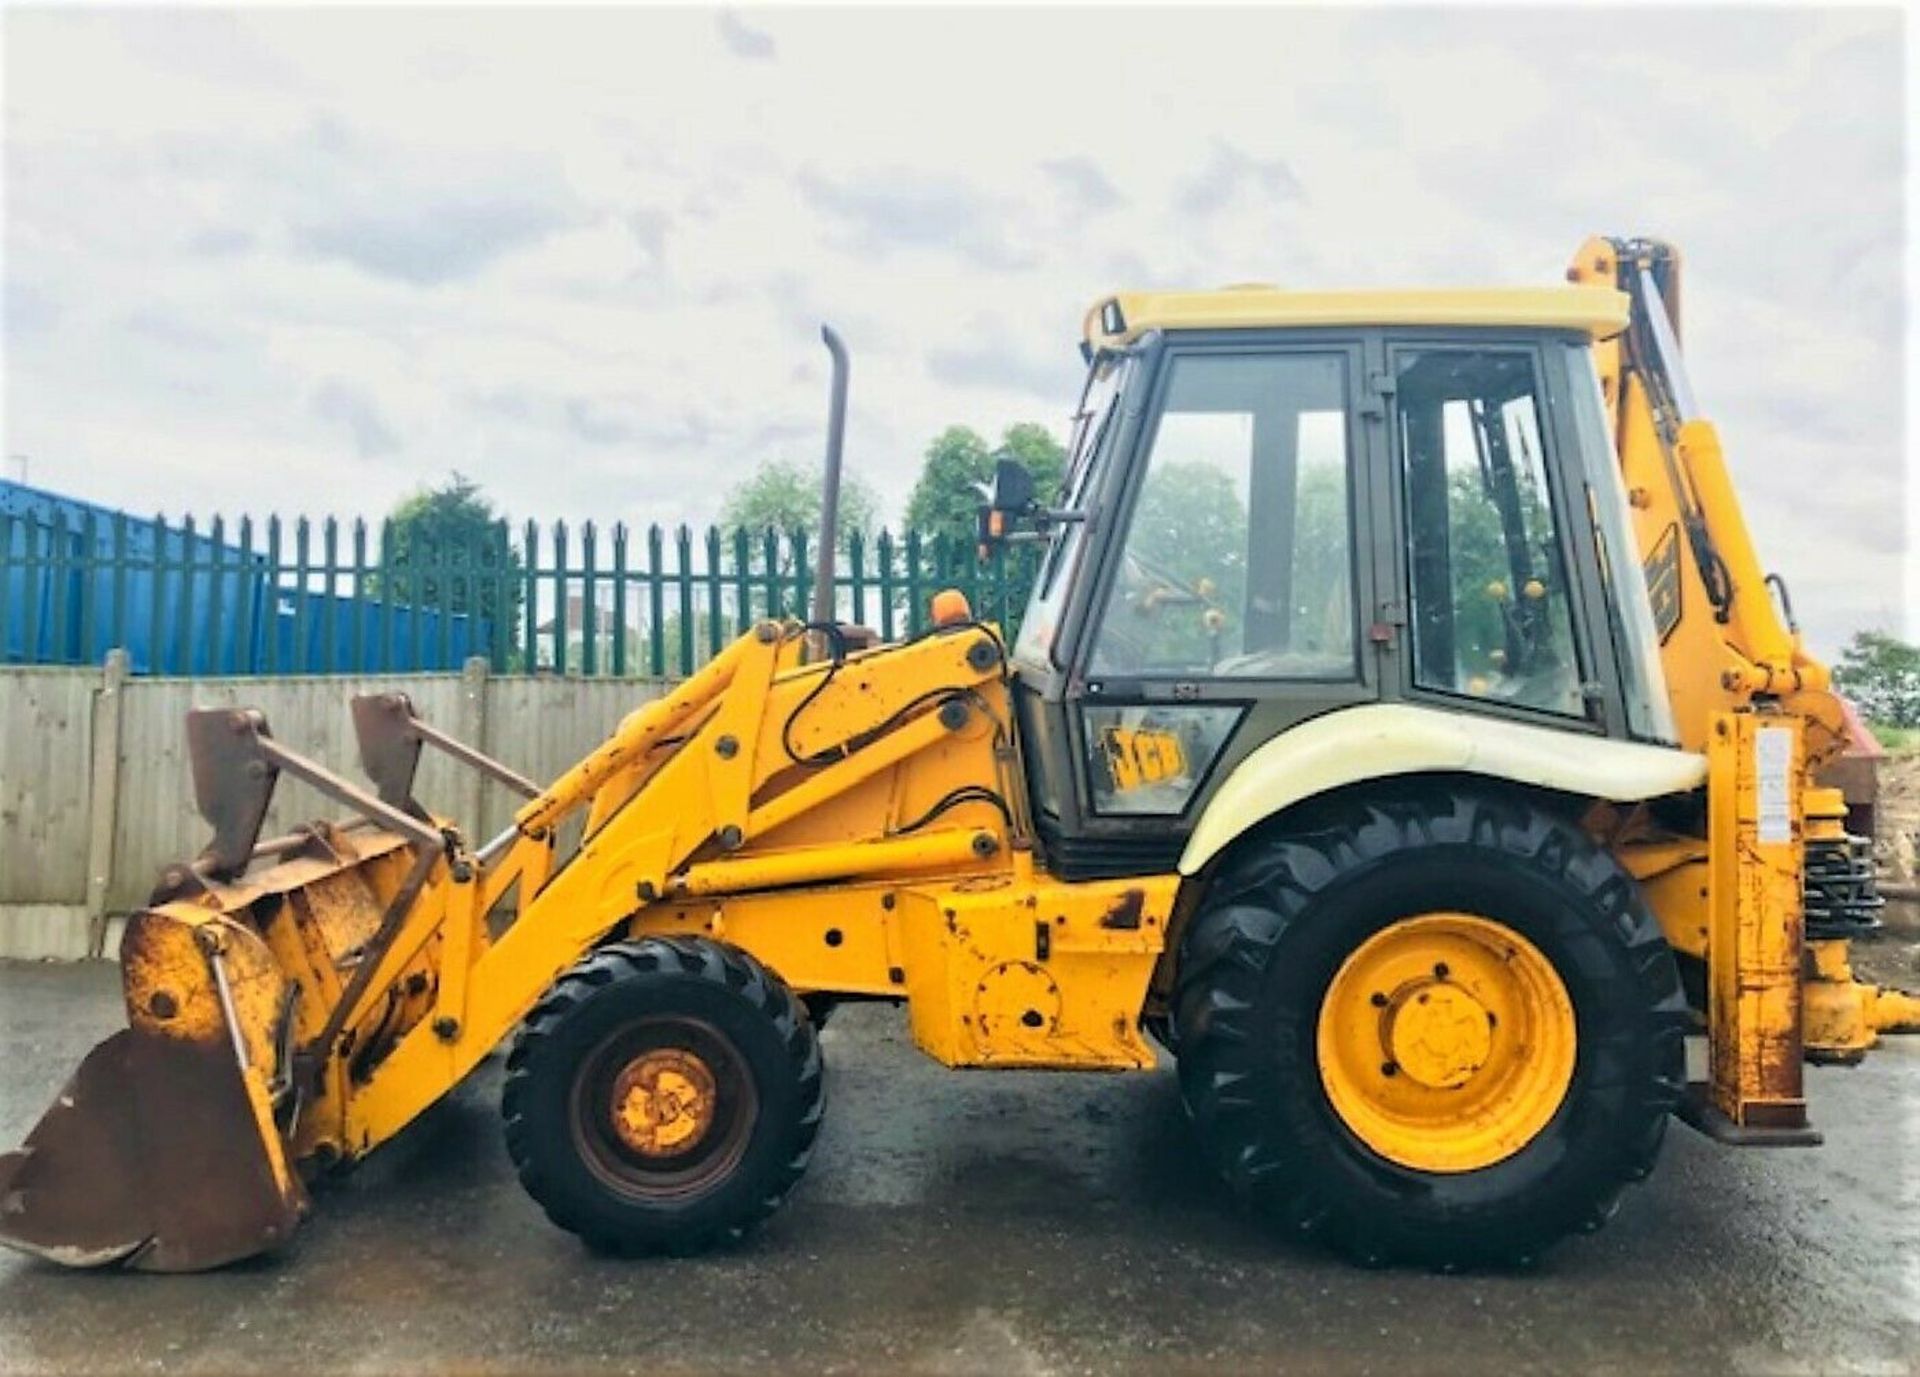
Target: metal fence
{"points": [[323, 596]]}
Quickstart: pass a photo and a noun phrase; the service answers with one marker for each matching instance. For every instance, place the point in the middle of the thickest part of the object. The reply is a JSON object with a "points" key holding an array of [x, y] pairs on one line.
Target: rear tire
{"points": [[663, 1096], [1260, 971]]}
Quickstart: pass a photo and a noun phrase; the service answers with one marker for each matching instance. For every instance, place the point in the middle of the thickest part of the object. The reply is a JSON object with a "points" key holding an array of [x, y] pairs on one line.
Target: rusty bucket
{"points": [[162, 1152]]}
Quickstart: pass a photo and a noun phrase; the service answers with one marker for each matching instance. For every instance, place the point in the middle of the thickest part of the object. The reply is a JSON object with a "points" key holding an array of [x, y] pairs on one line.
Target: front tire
{"points": [[663, 1096], [1438, 1026]]}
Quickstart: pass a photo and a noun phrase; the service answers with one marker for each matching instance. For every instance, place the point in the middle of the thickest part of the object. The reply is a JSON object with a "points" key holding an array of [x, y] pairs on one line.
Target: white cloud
{"points": [[742, 39], [311, 258]]}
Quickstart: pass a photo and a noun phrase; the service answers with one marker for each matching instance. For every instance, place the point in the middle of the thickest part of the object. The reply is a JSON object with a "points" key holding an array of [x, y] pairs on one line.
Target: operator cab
{"points": [[1281, 504]]}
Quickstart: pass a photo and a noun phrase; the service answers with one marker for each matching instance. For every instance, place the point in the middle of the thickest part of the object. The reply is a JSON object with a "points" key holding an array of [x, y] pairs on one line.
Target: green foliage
{"points": [[1189, 537], [1192, 524], [1322, 589], [785, 496], [1900, 739], [447, 548], [1881, 673], [1479, 562], [1482, 572], [946, 500]]}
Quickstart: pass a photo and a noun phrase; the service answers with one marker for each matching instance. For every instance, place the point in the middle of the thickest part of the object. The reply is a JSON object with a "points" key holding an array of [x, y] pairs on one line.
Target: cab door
{"points": [[1494, 620], [1234, 595]]}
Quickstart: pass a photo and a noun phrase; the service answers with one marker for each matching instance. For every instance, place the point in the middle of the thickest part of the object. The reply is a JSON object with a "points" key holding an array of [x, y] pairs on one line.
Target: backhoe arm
{"points": [[1724, 639], [1788, 886]]}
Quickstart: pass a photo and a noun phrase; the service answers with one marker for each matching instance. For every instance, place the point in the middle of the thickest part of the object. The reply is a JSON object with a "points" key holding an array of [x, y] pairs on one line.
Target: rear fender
{"points": [[1380, 740]]}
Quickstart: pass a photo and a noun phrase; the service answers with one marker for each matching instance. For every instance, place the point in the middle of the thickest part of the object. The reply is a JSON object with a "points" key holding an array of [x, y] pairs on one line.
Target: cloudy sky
{"points": [[304, 260]]}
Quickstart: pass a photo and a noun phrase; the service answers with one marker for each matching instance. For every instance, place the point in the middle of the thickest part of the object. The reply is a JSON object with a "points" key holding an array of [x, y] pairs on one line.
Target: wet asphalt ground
{"points": [[994, 1223]]}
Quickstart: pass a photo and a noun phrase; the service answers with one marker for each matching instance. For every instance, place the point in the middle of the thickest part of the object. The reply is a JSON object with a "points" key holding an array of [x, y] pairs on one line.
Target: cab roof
{"points": [[1598, 312]]}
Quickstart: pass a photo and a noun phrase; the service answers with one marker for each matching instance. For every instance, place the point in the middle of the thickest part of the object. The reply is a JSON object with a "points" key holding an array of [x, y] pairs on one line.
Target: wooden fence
{"points": [[95, 795]]}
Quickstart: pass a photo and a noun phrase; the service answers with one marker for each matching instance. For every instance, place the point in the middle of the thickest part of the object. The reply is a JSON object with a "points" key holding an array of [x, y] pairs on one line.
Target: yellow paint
{"points": [[1844, 1018], [986, 988], [1712, 665], [1446, 1042], [931, 850], [1008, 967], [1596, 312], [1376, 740], [1755, 922], [173, 962], [767, 773], [1673, 874]]}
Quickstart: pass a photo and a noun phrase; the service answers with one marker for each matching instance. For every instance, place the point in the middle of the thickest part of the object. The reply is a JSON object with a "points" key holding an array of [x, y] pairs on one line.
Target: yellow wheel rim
{"points": [[1446, 1042]]}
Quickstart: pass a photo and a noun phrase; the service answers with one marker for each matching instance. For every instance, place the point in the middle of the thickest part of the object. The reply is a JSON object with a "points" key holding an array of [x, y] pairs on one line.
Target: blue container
{"points": [[77, 580]]}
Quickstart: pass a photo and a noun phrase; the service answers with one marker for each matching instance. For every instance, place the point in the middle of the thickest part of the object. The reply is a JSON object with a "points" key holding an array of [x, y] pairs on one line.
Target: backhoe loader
{"points": [[1402, 732]]}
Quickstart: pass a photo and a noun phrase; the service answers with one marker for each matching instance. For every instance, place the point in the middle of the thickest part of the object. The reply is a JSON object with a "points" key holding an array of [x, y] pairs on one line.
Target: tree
{"points": [[946, 500], [786, 496], [1881, 673], [1188, 542], [446, 547]]}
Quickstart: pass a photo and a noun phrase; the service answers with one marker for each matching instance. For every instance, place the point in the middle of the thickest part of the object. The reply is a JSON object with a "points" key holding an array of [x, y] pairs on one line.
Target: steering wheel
{"points": [[1169, 590]]}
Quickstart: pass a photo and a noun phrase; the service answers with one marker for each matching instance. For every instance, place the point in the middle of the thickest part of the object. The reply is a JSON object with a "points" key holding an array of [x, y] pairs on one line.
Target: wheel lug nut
{"points": [[1440, 971], [1379, 1000], [1388, 1068]]}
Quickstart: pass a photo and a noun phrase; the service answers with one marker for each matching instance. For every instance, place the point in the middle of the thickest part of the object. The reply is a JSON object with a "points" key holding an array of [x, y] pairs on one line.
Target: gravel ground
{"points": [[1003, 1223]]}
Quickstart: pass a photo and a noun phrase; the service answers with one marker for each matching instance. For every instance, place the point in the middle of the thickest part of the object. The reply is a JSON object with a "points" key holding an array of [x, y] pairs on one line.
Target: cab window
{"points": [[1094, 427], [1490, 611], [1238, 558]]}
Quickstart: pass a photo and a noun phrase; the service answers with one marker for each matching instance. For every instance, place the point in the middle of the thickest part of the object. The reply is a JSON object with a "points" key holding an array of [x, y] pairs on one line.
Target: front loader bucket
{"points": [[162, 1152], [264, 983]]}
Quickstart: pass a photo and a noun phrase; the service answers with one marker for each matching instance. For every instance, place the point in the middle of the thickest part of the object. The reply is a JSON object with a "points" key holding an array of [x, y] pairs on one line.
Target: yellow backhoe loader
{"points": [[1402, 732]]}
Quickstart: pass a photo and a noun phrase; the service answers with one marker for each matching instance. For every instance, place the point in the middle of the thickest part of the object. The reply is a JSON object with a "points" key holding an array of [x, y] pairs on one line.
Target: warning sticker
{"points": [[1773, 779], [1662, 571]]}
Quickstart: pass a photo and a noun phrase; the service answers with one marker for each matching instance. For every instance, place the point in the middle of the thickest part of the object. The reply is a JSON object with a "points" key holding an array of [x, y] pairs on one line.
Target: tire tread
{"points": [[1256, 901], [701, 959]]}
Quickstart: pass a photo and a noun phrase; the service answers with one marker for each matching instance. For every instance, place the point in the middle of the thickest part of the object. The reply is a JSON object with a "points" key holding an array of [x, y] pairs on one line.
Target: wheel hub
{"points": [[1437, 1033], [1446, 1042], [663, 1102]]}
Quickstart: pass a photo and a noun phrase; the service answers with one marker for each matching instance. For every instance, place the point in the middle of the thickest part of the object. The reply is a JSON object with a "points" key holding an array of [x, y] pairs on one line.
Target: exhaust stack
{"points": [[823, 599]]}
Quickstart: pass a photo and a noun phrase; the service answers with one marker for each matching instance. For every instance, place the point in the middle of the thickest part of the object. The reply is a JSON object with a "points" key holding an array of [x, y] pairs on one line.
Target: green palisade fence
{"points": [[305, 596]]}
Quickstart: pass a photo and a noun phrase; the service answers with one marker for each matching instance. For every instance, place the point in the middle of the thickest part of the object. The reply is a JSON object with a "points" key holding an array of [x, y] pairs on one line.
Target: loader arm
{"points": [[695, 794], [294, 1003]]}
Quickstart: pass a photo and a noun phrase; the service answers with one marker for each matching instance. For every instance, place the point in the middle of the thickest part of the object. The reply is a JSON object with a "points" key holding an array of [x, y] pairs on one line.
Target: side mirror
{"points": [[1012, 487], [1009, 500]]}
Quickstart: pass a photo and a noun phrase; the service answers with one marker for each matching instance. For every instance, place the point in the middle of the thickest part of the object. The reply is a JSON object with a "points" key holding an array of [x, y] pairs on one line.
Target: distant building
{"points": [[78, 579], [606, 631]]}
